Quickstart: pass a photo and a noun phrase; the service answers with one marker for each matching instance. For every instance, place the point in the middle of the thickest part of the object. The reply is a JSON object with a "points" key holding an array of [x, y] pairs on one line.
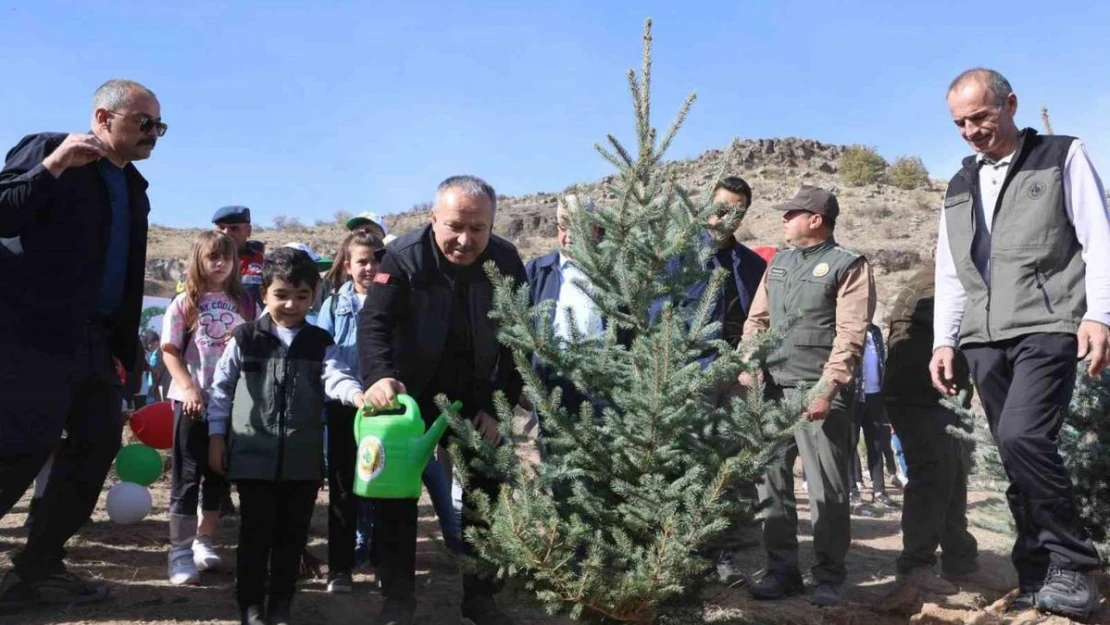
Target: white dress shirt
{"points": [[587, 319], [1085, 202]]}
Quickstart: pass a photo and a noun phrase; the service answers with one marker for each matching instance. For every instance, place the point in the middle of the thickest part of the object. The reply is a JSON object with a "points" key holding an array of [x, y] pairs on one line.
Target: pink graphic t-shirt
{"points": [[217, 316]]}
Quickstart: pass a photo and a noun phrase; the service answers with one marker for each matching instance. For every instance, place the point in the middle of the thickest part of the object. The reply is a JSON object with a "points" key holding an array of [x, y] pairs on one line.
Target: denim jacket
{"points": [[339, 316]]}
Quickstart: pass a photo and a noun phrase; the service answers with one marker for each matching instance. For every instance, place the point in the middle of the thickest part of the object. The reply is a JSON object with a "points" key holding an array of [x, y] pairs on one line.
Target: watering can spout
{"points": [[427, 443]]}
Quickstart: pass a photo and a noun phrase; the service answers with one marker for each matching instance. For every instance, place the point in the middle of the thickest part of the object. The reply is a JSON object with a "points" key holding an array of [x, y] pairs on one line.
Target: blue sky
{"points": [[304, 110]]}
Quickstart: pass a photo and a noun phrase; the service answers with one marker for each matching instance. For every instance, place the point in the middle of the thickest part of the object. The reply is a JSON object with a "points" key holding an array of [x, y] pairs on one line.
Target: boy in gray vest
{"points": [[1023, 288], [266, 431], [820, 298]]}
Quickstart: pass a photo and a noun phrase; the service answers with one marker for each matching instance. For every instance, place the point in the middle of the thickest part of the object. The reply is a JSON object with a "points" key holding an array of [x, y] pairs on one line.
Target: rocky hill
{"points": [[895, 228]]}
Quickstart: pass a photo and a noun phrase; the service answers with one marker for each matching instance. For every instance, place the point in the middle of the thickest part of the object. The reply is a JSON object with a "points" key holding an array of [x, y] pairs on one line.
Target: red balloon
{"points": [[153, 424]]}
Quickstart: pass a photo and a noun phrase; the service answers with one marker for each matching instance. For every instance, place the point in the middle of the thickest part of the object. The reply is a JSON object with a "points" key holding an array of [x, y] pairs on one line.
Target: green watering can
{"points": [[394, 449]]}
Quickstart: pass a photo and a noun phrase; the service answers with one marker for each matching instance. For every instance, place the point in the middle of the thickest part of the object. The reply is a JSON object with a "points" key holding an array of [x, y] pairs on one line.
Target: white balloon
{"points": [[128, 503]]}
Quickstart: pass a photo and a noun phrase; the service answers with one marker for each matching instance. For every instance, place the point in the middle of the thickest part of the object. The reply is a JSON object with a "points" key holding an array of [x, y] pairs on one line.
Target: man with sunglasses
{"points": [[79, 208]]}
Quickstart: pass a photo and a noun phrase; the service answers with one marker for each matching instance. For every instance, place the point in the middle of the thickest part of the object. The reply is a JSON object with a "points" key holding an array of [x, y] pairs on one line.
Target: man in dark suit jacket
{"points": [[79, 208]]}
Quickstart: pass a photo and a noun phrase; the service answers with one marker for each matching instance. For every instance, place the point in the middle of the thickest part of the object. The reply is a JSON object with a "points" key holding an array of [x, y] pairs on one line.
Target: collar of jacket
{"points": [[820, 247], [970, 169]]}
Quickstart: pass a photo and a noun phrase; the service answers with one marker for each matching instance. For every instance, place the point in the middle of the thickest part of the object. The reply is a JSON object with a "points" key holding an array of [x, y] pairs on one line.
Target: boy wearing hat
{"points": [[235, 222]]}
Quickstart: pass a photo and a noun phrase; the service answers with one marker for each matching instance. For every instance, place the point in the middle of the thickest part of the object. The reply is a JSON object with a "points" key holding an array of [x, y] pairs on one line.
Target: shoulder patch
{"points": [[381, 278]]}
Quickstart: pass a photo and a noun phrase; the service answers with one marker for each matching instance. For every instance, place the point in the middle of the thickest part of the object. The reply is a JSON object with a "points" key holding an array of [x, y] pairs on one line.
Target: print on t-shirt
{"points": [[202, 346]]}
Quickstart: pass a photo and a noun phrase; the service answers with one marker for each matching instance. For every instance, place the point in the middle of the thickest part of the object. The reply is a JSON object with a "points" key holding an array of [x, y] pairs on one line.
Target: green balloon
{"points": [[139, 464]]}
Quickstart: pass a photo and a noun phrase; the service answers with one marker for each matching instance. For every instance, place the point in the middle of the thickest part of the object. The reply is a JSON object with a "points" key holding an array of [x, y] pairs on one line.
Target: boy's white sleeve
{"points": [[339, 384], [222, 392]]}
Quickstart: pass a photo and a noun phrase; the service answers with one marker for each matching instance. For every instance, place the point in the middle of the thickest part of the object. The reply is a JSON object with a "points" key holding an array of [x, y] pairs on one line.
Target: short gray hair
{"points": [[470, 186], [994, 81], [116, 94]]}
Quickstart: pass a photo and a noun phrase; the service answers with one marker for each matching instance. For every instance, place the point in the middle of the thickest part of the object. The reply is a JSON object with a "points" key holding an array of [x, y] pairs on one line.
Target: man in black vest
{"points": [[1023, 288], [79, 207], [820, 298], [426, 329]]}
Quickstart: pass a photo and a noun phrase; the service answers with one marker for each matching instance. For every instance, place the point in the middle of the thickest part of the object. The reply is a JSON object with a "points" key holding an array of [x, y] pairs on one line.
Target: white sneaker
{"points": [[204, 556], [182, 569]]}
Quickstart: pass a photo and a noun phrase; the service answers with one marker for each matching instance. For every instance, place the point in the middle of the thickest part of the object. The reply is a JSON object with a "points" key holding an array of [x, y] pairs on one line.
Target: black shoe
{"points": [[483, 610], [252, 615], [1069, 593], [36, 503], [15, 593], [277, 611], [65, 588], [340, 582], [777, 586], [884, 500], [396, 612]]}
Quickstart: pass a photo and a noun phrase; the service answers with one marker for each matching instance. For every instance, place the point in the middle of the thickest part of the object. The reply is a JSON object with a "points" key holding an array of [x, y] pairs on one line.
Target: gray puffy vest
{"points": [[802, 287], [1036, 269]]}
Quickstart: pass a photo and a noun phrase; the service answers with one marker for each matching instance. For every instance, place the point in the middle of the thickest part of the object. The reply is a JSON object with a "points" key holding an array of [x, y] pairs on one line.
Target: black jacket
{"points": [[402, 328], [50, 291]]}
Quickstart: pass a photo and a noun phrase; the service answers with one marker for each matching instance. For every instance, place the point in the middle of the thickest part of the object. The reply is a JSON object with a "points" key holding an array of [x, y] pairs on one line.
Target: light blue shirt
{"points": [[587, 318]]}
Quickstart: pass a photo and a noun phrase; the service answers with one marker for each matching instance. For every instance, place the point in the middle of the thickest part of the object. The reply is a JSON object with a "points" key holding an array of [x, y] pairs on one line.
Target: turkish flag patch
{"points": [[381, 278]]}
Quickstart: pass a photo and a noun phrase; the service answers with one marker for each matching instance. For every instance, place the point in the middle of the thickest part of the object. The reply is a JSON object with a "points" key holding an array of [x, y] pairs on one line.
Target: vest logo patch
{"points": [[821, 270], [1036, 190]]}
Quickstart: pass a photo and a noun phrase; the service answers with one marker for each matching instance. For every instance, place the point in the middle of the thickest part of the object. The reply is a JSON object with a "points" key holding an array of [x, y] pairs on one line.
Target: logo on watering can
{"points": [[371, 458]]}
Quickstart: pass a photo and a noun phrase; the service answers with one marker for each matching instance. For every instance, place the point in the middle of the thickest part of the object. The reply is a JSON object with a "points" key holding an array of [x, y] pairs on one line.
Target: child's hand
{"points": [[193, 406], [359, 401], [217, 454]]}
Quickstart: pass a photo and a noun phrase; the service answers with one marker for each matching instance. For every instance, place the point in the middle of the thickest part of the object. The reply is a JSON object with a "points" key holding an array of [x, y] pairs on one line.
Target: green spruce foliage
{"points": [[634, 484]]}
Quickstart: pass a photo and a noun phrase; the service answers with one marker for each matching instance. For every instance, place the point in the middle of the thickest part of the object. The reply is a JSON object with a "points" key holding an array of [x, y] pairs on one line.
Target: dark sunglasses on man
{"points": [[146, 123]]}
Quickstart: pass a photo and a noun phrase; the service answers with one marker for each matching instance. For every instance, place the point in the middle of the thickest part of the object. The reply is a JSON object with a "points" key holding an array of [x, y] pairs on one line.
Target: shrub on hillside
{"points": [[860, 165], [908, 172], [342, 217], [281, 222]]}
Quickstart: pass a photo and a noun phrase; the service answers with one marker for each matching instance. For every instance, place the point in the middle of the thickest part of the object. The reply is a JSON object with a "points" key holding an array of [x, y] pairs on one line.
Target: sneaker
{"points": [[15, 593], [483, 610], [854, 499], [924, 578], [884, 500], [340, 582], [182, 568], [825, 595], [777, 586], [277, 611], [69, 589], [1068, 593], [396, 612], [252, 615], [204, 556], [727, 570]]}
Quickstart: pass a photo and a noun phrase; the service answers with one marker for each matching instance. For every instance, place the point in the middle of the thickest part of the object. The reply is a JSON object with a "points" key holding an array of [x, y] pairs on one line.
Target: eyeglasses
{"points": [[146, 123]]}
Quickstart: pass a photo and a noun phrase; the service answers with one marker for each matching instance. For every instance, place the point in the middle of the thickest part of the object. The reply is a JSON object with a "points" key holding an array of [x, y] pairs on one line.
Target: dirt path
{"points": [[133, 558]]}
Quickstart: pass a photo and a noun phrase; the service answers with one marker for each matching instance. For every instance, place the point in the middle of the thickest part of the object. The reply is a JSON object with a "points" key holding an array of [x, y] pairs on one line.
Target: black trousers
{"points": [[191, 479], [934, 512], [872, 420], [1025, 385], [274, 518], [342, 502], [42, 394], [395, 529]]}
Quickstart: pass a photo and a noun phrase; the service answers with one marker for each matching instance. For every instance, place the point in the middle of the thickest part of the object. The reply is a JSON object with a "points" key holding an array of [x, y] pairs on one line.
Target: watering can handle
{"points": [[402, 401]]}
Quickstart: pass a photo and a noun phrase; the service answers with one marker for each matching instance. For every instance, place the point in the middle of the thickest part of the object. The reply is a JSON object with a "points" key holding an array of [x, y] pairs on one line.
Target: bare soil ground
{"points": [[133, 559]]}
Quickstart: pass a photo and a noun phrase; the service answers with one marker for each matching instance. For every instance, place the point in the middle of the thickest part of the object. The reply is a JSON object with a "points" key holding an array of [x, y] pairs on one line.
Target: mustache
{"points": [[150, 142]]}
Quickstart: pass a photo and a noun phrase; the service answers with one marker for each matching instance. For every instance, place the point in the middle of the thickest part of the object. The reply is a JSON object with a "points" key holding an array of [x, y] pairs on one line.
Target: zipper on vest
{"points": [[1039, 276], [281, 418]]}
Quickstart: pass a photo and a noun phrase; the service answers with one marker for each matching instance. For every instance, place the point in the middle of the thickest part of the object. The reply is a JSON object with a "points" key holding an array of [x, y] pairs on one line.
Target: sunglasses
{"points": [[146, 123]]}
